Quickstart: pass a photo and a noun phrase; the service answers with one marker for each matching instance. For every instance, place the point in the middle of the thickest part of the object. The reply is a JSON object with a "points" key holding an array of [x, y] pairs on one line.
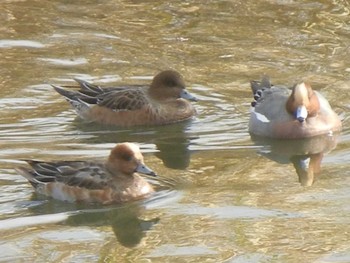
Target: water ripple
{"points": [[9, 43]]}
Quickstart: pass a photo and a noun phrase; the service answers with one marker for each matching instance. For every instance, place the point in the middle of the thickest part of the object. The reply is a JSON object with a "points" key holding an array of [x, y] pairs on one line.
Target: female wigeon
{"points": [[278, 112], [115, 181], [163, 102]]}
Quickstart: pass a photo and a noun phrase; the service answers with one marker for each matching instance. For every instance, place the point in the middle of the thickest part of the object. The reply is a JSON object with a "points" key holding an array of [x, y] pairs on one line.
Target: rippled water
{"points": [[232, 198]]}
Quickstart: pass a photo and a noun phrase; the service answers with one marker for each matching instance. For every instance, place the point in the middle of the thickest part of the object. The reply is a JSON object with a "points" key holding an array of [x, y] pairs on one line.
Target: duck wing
{"points": [[73, 173], [123, 99]]}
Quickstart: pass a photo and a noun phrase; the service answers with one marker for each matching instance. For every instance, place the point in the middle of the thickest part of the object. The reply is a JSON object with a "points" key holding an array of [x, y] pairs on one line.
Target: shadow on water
{"points": [[305, 154], [171, 140]]}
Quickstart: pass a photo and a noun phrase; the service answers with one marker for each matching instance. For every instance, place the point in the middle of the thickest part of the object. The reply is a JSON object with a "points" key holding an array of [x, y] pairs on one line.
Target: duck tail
{"points": [[29, 175], [260, 85], [69, 95], [81, 103], [86, 86]]}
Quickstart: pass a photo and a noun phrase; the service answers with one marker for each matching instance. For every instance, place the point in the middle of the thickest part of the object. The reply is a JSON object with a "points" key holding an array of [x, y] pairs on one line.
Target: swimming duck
{"points": [[278, 112], [115, 181], [164, 101]]}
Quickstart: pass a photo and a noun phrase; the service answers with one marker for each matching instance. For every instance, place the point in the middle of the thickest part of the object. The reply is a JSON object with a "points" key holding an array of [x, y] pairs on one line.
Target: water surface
{"points": [[232, 198]]}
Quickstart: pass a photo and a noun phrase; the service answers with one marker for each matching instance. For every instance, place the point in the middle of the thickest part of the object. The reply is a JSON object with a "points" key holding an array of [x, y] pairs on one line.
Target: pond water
{"points": [[232, 198]]}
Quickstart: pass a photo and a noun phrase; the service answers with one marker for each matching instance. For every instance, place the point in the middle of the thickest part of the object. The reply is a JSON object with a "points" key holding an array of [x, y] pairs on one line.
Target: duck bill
{"points": [[143, 169], [301, 113], [187, 96]]}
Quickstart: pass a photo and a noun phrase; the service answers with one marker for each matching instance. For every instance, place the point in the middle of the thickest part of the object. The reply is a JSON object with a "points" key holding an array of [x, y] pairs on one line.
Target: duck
{"points": [[112, 182], [281, 113], [164, 101]]}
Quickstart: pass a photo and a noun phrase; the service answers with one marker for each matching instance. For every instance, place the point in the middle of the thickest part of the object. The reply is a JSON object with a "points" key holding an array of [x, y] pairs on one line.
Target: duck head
{"points": [[303, 102]]}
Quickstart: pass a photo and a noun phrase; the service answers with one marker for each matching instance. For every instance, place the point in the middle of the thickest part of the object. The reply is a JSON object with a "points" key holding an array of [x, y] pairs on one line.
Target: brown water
{"points": [[235, 199]]}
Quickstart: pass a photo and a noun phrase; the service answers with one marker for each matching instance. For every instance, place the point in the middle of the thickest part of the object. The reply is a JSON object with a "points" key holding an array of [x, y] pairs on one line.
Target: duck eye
{"points": [[127, 157], [171, 83]]}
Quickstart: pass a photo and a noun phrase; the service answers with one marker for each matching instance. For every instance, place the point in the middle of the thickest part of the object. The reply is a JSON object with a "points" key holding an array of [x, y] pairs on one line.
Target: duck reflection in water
{"points": [[305, 154], [172, 145], [127, 221], [171, 141], [307, 167]]}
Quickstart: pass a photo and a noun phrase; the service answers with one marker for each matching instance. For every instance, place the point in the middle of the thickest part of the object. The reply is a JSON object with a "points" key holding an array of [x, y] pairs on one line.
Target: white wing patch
{"points": [[259, 116]]}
